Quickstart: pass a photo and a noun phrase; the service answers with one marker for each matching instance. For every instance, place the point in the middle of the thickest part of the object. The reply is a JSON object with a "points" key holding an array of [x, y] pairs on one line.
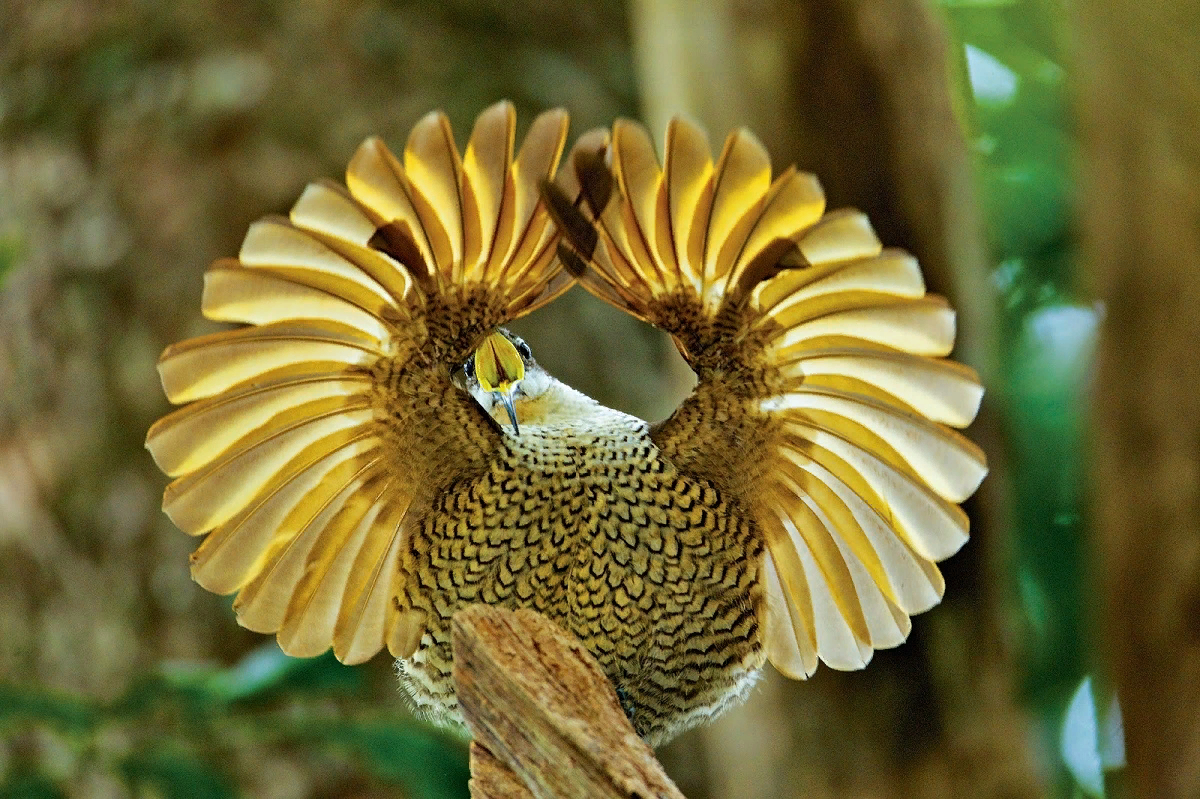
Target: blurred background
{"points": [[1040, 158]]}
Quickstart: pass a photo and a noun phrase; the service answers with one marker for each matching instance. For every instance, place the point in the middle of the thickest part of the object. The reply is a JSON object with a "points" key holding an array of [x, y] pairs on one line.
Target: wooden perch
{"points": [[546, 721]]}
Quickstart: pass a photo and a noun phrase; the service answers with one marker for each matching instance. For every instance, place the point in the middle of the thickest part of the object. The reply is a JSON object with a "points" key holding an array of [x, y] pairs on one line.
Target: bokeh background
{"points": [[1039, 156]]}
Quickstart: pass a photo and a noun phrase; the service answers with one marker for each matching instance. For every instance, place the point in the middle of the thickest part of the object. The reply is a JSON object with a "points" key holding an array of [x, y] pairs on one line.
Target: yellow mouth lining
{"points": [[498, 368]]}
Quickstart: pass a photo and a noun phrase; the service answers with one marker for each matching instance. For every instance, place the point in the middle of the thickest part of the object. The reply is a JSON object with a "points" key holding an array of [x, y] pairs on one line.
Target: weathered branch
{"points": [[546, 721]]}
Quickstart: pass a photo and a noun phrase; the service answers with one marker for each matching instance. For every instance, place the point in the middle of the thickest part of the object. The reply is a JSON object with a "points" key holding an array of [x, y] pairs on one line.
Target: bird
{"points": [[373, 450]]}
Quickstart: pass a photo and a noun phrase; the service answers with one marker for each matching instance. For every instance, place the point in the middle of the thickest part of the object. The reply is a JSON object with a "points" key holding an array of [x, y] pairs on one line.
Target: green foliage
{"points": [[174, 771], [64, 712], [408, 755], [10, 253], [24, 784], [1013, 97], [182, 730]]}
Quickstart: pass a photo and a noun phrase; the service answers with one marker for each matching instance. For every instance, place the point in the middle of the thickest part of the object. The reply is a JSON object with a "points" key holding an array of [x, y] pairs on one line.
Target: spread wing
{"points": [[824, 399], [310, 439]]}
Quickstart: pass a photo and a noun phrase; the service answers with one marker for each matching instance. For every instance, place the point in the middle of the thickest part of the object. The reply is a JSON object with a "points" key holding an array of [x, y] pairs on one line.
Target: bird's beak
{"points": [[506, 398], [499, 368]]}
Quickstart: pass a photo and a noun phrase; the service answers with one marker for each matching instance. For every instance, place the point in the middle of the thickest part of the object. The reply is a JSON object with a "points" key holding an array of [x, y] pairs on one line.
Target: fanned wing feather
{"points": [[194, 436], [335, 219], [280, 247], [525, 225], [263, 603], [233, 553], [201, 500], [919, 327], [783, 638], [234, 293], [485, 168], [944, 460], [287, 455], [360, 629], [740, 182], [942, 391], [687, 171], [308, 624], [208, 365], [809, 337], [843, 235], [432, 164], [378, 182]]}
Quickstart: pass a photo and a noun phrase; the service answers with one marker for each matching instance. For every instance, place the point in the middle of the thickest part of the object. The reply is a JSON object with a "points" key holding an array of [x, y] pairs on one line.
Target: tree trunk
{"points": [[1139, 108]]}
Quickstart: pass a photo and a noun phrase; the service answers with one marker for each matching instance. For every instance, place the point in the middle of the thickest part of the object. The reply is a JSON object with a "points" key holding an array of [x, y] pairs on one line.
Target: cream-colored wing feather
{"points": [[307, 445]]}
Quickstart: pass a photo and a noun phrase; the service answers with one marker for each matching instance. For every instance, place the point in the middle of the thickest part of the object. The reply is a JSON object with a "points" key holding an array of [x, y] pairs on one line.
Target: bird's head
{"points": [[502, 371]]}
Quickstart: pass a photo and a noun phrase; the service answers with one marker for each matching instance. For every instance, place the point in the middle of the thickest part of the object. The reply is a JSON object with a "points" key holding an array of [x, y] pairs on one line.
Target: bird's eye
{"points": [[522, 348]]}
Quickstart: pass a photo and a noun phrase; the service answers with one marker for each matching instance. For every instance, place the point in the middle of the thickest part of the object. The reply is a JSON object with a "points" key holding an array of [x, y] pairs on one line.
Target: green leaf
{"points": [[267, 673], [264, 674], [22, 784], [63, 711], [428, 763], [260, 671], [182, 685], [11, 248], [177, 774], [1027, 204], [322, 675]]}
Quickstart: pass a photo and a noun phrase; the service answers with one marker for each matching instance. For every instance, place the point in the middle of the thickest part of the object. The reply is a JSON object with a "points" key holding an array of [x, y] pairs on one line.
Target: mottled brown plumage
{"points": [[360, 480]]}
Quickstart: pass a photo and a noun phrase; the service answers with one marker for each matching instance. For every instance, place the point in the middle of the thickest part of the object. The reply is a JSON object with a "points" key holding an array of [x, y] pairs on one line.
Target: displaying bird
{"points": [[375, 452]]}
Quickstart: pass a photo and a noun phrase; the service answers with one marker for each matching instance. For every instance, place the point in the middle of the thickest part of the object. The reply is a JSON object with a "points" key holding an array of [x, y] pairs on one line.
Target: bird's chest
{"points": [[582, 526], [655, 572]]}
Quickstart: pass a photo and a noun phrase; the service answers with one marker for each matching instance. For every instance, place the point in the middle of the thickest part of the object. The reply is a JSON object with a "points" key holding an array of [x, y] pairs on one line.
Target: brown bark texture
{"points": [[1139, 110], [491, 779], [546, 721]]}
